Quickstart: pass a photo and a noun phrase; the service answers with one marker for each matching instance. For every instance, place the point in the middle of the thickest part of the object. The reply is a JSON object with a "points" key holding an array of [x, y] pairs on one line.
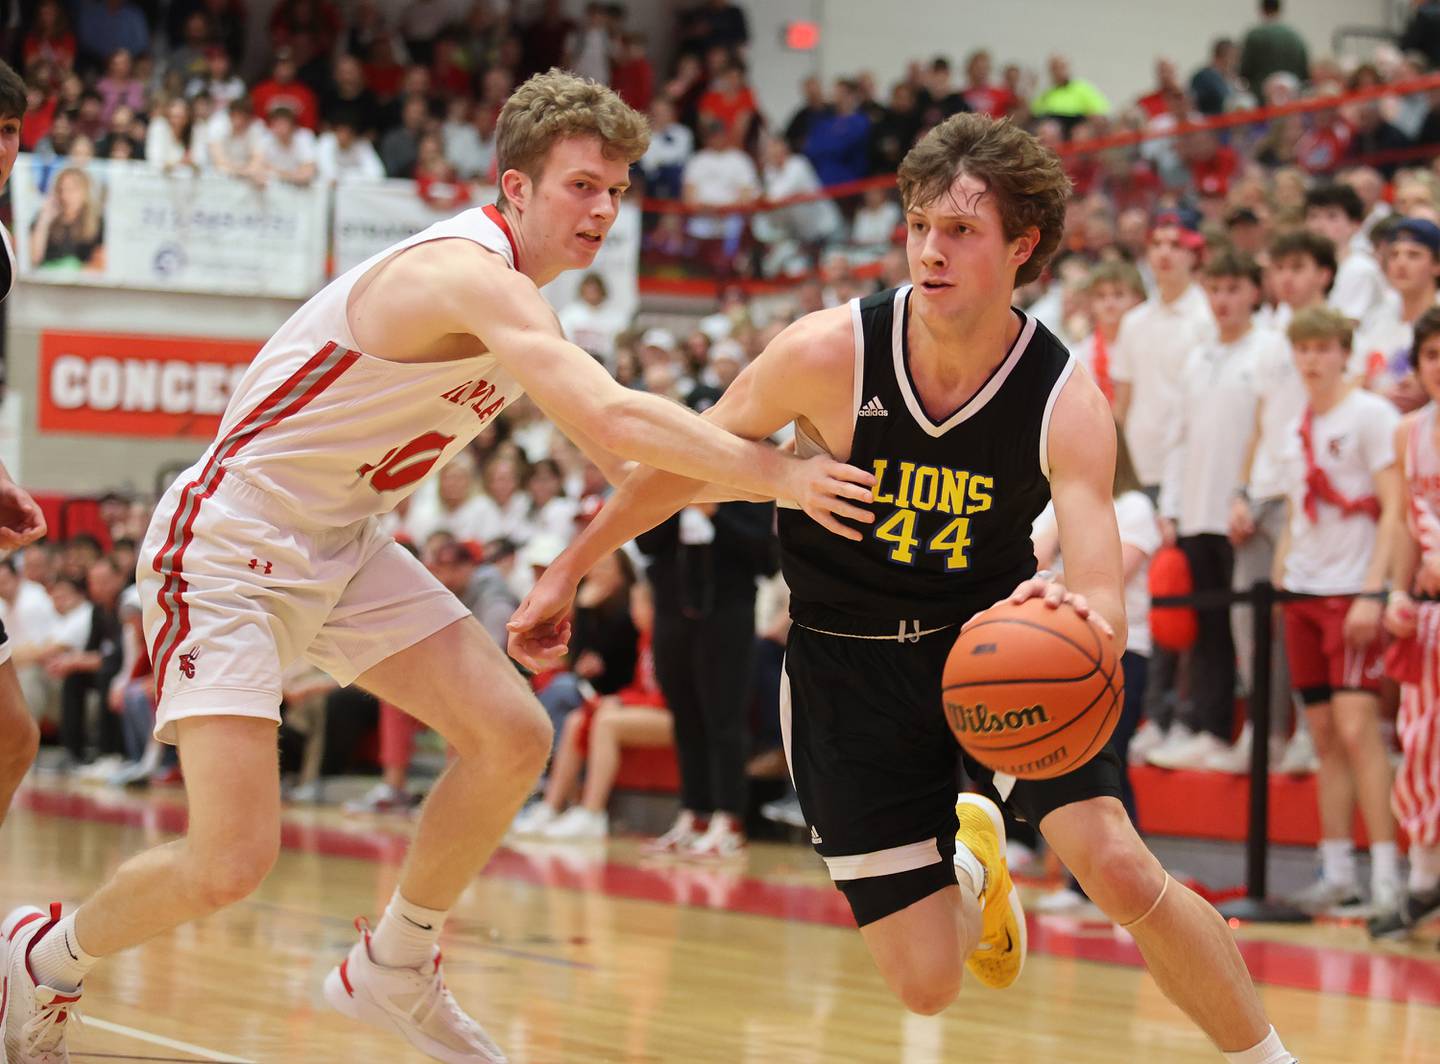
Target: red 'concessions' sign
{"points": [[138, 385]]}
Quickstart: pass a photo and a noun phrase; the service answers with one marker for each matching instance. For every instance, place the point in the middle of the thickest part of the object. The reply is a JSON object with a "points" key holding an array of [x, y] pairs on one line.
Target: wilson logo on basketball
{"points": [[979, 720]]}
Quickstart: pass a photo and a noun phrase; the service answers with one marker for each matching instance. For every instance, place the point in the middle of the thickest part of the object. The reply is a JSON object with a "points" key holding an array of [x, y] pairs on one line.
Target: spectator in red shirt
{"points": [[1167, 84], [284, 90], [384, 73], [50, 38], [730, 102], [1212, 164], [981, 94], [631, 74]]}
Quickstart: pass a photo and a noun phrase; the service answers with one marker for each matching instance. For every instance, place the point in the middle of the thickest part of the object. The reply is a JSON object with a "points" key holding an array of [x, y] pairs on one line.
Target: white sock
{"points": [[407, 934], [1424, 868], [968, 867], [57, 959], [1337, 861], [1269, 1051], [1384, 863]]}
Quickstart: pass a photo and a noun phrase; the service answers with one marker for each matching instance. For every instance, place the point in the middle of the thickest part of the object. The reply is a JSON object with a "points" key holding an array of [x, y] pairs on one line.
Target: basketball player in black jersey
{"points": [[970, 415], [21, 521]]}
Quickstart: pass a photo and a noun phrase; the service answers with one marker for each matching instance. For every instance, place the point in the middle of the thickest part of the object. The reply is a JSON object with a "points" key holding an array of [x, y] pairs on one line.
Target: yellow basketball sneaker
{"points": [[998, 958]]}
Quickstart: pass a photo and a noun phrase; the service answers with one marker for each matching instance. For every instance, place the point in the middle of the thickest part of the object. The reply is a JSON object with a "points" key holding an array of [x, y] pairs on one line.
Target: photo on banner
{"points": [[124, 224]]}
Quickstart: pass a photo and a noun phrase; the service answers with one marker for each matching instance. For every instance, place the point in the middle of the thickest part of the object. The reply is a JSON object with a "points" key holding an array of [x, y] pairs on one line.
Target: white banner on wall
{"points": [[122, 224]]}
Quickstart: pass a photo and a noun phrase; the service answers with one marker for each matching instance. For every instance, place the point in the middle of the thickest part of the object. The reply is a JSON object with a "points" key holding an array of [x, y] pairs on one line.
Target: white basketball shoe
{"points": [[35, 1017], [411, 1002]]}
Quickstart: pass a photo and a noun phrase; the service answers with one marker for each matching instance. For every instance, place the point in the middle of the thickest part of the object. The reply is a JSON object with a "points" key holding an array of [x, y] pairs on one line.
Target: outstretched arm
{"points": [[798, 368]]}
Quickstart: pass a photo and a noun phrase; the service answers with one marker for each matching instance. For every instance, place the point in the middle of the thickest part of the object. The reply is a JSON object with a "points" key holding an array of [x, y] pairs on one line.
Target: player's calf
{"points": [[18, 748]]}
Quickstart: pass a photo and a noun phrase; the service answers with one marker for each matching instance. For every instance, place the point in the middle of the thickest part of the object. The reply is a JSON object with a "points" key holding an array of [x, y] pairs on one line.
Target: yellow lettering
{"points": [[979, 494], [927, 486], [902, 498], [880, 466], [952, 497]]}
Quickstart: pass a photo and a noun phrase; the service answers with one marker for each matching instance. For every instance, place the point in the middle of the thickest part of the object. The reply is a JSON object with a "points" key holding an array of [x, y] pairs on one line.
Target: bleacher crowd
{"points": [[1257, 302]]}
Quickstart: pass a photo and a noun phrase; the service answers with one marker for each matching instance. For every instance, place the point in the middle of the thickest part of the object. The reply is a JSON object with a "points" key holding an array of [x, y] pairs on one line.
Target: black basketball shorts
{"points": [[876, 767]]}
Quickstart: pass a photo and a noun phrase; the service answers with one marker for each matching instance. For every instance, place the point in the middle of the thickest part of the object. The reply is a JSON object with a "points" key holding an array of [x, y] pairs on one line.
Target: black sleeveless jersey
{"points": [[954, 499]]}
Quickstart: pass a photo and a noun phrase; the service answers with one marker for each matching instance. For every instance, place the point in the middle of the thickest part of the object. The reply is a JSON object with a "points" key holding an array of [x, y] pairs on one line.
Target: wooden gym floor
{"points": [[593, 953]]}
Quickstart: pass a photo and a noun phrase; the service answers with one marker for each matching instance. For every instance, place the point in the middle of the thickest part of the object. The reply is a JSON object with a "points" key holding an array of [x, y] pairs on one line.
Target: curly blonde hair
{"points": [[552, 106]]}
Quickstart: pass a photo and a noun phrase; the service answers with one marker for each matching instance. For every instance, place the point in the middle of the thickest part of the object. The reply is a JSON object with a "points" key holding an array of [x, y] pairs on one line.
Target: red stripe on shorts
{"points": [[177, 614]]}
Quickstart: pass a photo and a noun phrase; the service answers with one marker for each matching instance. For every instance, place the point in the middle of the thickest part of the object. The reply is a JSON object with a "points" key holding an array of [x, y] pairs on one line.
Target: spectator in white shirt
{"points": [[1411, 257], [234, 140], [167, 139], [671, 145], [452, 505], [872, 230], [220, 83], [1335, 211], [1346, 505], [592, 322], [790, 230], [506, 514], [718, 175], [1111, 290], [552, 512], [1153, 342], [343, 156], [1218, 395], [470, 147], [30, 618], [288, 153], [1370, 187]]}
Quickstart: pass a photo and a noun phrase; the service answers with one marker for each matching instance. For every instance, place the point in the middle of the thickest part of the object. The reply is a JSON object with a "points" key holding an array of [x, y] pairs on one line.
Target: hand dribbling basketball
{"points": [[1045, 585]]}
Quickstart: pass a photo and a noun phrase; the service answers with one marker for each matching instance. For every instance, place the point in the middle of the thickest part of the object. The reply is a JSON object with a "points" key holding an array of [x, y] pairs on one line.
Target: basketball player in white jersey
{"points": [[268, 549], [21, 521]]}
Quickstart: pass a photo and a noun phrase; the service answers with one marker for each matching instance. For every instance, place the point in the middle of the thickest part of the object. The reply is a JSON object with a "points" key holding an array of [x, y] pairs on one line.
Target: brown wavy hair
{"points": [[1026, 178], [552, 106]]}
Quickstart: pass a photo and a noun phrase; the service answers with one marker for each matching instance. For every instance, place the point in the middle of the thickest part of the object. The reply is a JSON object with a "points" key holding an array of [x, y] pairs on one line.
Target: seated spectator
{"points": [[342, 156], [470, 147], [120, 87], [347, 99], [719, 174], [592, 322], [235, 140], [421, 23], [730, 102], [552, 512], [400, 147], [872, 230], [169, 138], [603, 642], [671, 146], [49, 38], [839, 143], [30, 618], [592, 740], [505, 512], [1373, 135], [1069, 99], [306, 31], [103, 27], [981, 94], [89, 670], [288, 151], [589, 45], [449, 503], [792, 232], [186, 59], [218, 80], [282, 89], [69, 230]]}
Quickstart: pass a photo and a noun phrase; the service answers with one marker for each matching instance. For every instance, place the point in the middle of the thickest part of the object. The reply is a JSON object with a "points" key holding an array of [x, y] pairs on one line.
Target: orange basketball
{"points": [[1032, 691]]}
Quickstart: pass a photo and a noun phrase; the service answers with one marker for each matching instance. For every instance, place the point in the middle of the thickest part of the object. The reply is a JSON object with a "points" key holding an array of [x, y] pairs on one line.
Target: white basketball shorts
{"points": [[234, 588]]}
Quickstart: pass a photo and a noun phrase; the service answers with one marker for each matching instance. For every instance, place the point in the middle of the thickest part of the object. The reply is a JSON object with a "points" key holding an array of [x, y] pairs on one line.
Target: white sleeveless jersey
{"points": [[336, 434]]}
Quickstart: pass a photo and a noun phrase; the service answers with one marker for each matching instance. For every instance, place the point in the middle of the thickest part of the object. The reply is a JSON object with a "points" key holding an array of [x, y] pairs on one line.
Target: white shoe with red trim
{"points": [[35, 1017], [411, 1002]]}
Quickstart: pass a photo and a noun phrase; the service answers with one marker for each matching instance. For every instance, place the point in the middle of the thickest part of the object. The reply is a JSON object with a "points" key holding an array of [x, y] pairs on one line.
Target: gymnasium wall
{"points": [[1113, 43]]}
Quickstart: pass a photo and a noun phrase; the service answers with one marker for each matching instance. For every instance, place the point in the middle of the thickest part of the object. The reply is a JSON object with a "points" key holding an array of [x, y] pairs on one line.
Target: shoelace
{"points": [[44, 1031]]}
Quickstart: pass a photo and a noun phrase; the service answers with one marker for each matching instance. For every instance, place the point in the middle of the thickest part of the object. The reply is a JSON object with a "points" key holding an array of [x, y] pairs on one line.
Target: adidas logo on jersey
{"points": [[874, 408]]}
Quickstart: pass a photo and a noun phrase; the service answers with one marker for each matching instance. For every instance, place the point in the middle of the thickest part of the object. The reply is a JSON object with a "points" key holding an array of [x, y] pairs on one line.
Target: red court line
{"points": [[1354, 973]]}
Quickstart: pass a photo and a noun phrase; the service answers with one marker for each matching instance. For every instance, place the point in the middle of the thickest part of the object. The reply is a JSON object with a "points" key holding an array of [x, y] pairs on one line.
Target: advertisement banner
{"points": [[123, 224], [122, 385]]}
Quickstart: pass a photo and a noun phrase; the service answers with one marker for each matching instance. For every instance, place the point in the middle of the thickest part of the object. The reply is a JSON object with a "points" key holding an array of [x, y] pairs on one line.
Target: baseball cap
{"points": [[1421, 231], [662, 338]]}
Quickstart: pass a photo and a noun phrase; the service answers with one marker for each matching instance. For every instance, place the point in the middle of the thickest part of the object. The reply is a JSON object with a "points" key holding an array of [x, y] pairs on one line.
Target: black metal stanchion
{"points": [[1255, 906]]}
